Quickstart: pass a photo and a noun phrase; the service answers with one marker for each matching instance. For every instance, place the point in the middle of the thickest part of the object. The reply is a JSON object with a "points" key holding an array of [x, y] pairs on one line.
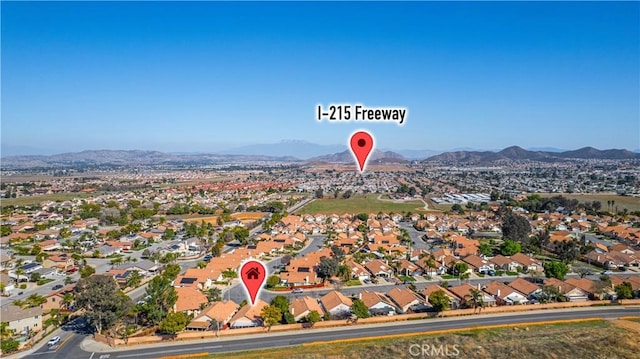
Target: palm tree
{"points": [[475, 297], [134, 279], [67, 299], [19, 272]]}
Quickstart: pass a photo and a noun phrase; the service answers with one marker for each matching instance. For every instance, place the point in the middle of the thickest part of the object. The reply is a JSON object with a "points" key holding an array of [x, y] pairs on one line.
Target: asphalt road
{"points": [[71, 348]]}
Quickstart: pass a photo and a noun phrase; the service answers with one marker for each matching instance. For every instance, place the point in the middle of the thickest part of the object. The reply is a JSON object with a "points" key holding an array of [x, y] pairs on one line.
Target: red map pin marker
{"points": [[253, 275], [361, 146]]}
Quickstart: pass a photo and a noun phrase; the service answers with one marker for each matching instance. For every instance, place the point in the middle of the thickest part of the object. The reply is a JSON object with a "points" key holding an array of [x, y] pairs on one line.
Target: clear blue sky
{"points": [[207, 76]]}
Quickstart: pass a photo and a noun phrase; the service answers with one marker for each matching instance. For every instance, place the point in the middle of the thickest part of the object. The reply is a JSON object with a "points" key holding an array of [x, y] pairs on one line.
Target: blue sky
{"points": [[206, 76]]}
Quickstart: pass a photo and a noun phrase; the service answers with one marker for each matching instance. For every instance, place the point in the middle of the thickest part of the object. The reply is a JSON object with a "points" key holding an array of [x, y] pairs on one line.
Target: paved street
{"points": [[76, 347]]}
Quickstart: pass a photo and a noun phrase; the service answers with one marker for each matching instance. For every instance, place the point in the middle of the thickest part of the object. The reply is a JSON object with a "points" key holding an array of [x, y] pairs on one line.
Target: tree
{"points": [[344, 272], [338, 252], [214, 294], [162, 297], [66, 301], [313, 317], [476, 298], [485, 249], [509, 248], [439, 301], [549, 293], [516, 227], [174, 323], [459, 268], [9, 345], [359, 309], [273, 281], [35, 276], [327, 268], [134, 279], [5, 230], [555, 269], [172, 271], [282, 303], [363, 217], [319, 193], [103, 303], [86, 271], [168, 234], [65, 232], [624, 290], [270, 315], [567, 251]]}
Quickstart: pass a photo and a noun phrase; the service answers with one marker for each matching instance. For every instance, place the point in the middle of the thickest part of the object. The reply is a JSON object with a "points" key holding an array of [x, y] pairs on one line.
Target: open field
{"points": [[359, 204], [589, 339], [630, 203], [244, 217], [31, 200]]}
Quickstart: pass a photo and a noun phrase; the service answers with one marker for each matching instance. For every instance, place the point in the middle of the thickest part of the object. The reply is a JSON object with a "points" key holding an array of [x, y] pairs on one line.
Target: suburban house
{"points": [[530, 290], [248, 315], [301, 307], [409, 269], [527, 263], [454, 301], [587, 285], [464, 293], [63, 262], [220, 312], [358, 271], [190, 300], [336, 304], [22, 321], [377, 303], [8, 282], [504, 294], [406, 300], [505, 263], [378, 268], [144, 267], [572, 293], [478, 263]]}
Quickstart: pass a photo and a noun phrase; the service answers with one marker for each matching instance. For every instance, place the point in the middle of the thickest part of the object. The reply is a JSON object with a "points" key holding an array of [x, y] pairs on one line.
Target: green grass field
{"points": [[630, 203], [58, 197], [359, 204]]}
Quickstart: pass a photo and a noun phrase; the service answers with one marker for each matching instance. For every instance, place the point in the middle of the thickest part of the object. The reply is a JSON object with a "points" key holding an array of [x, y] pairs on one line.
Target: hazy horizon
{"points": [[213, 76]]}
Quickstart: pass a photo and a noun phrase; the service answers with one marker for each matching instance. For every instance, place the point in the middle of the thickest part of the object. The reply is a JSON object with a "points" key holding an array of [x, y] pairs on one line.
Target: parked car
{"points": [[57, 286], [297, 290], [53, 341]]}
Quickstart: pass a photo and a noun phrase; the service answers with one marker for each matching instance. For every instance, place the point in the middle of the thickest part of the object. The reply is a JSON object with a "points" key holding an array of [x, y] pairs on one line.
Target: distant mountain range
{"points": [[294, 151], [518, 153], [347, 157], [300, 149]]}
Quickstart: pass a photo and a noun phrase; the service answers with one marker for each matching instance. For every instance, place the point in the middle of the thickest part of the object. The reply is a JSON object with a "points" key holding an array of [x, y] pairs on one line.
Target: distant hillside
{"points": [[346, 157], [130, 158], [515, 153], [299, 149]]}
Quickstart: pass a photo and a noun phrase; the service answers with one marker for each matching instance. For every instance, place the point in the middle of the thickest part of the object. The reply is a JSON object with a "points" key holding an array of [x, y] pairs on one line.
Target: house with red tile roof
{"points": [[249, 315], [454, 301], [336, 304], [190, 300], [377, 303], [220, 312], [301, 307]]}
